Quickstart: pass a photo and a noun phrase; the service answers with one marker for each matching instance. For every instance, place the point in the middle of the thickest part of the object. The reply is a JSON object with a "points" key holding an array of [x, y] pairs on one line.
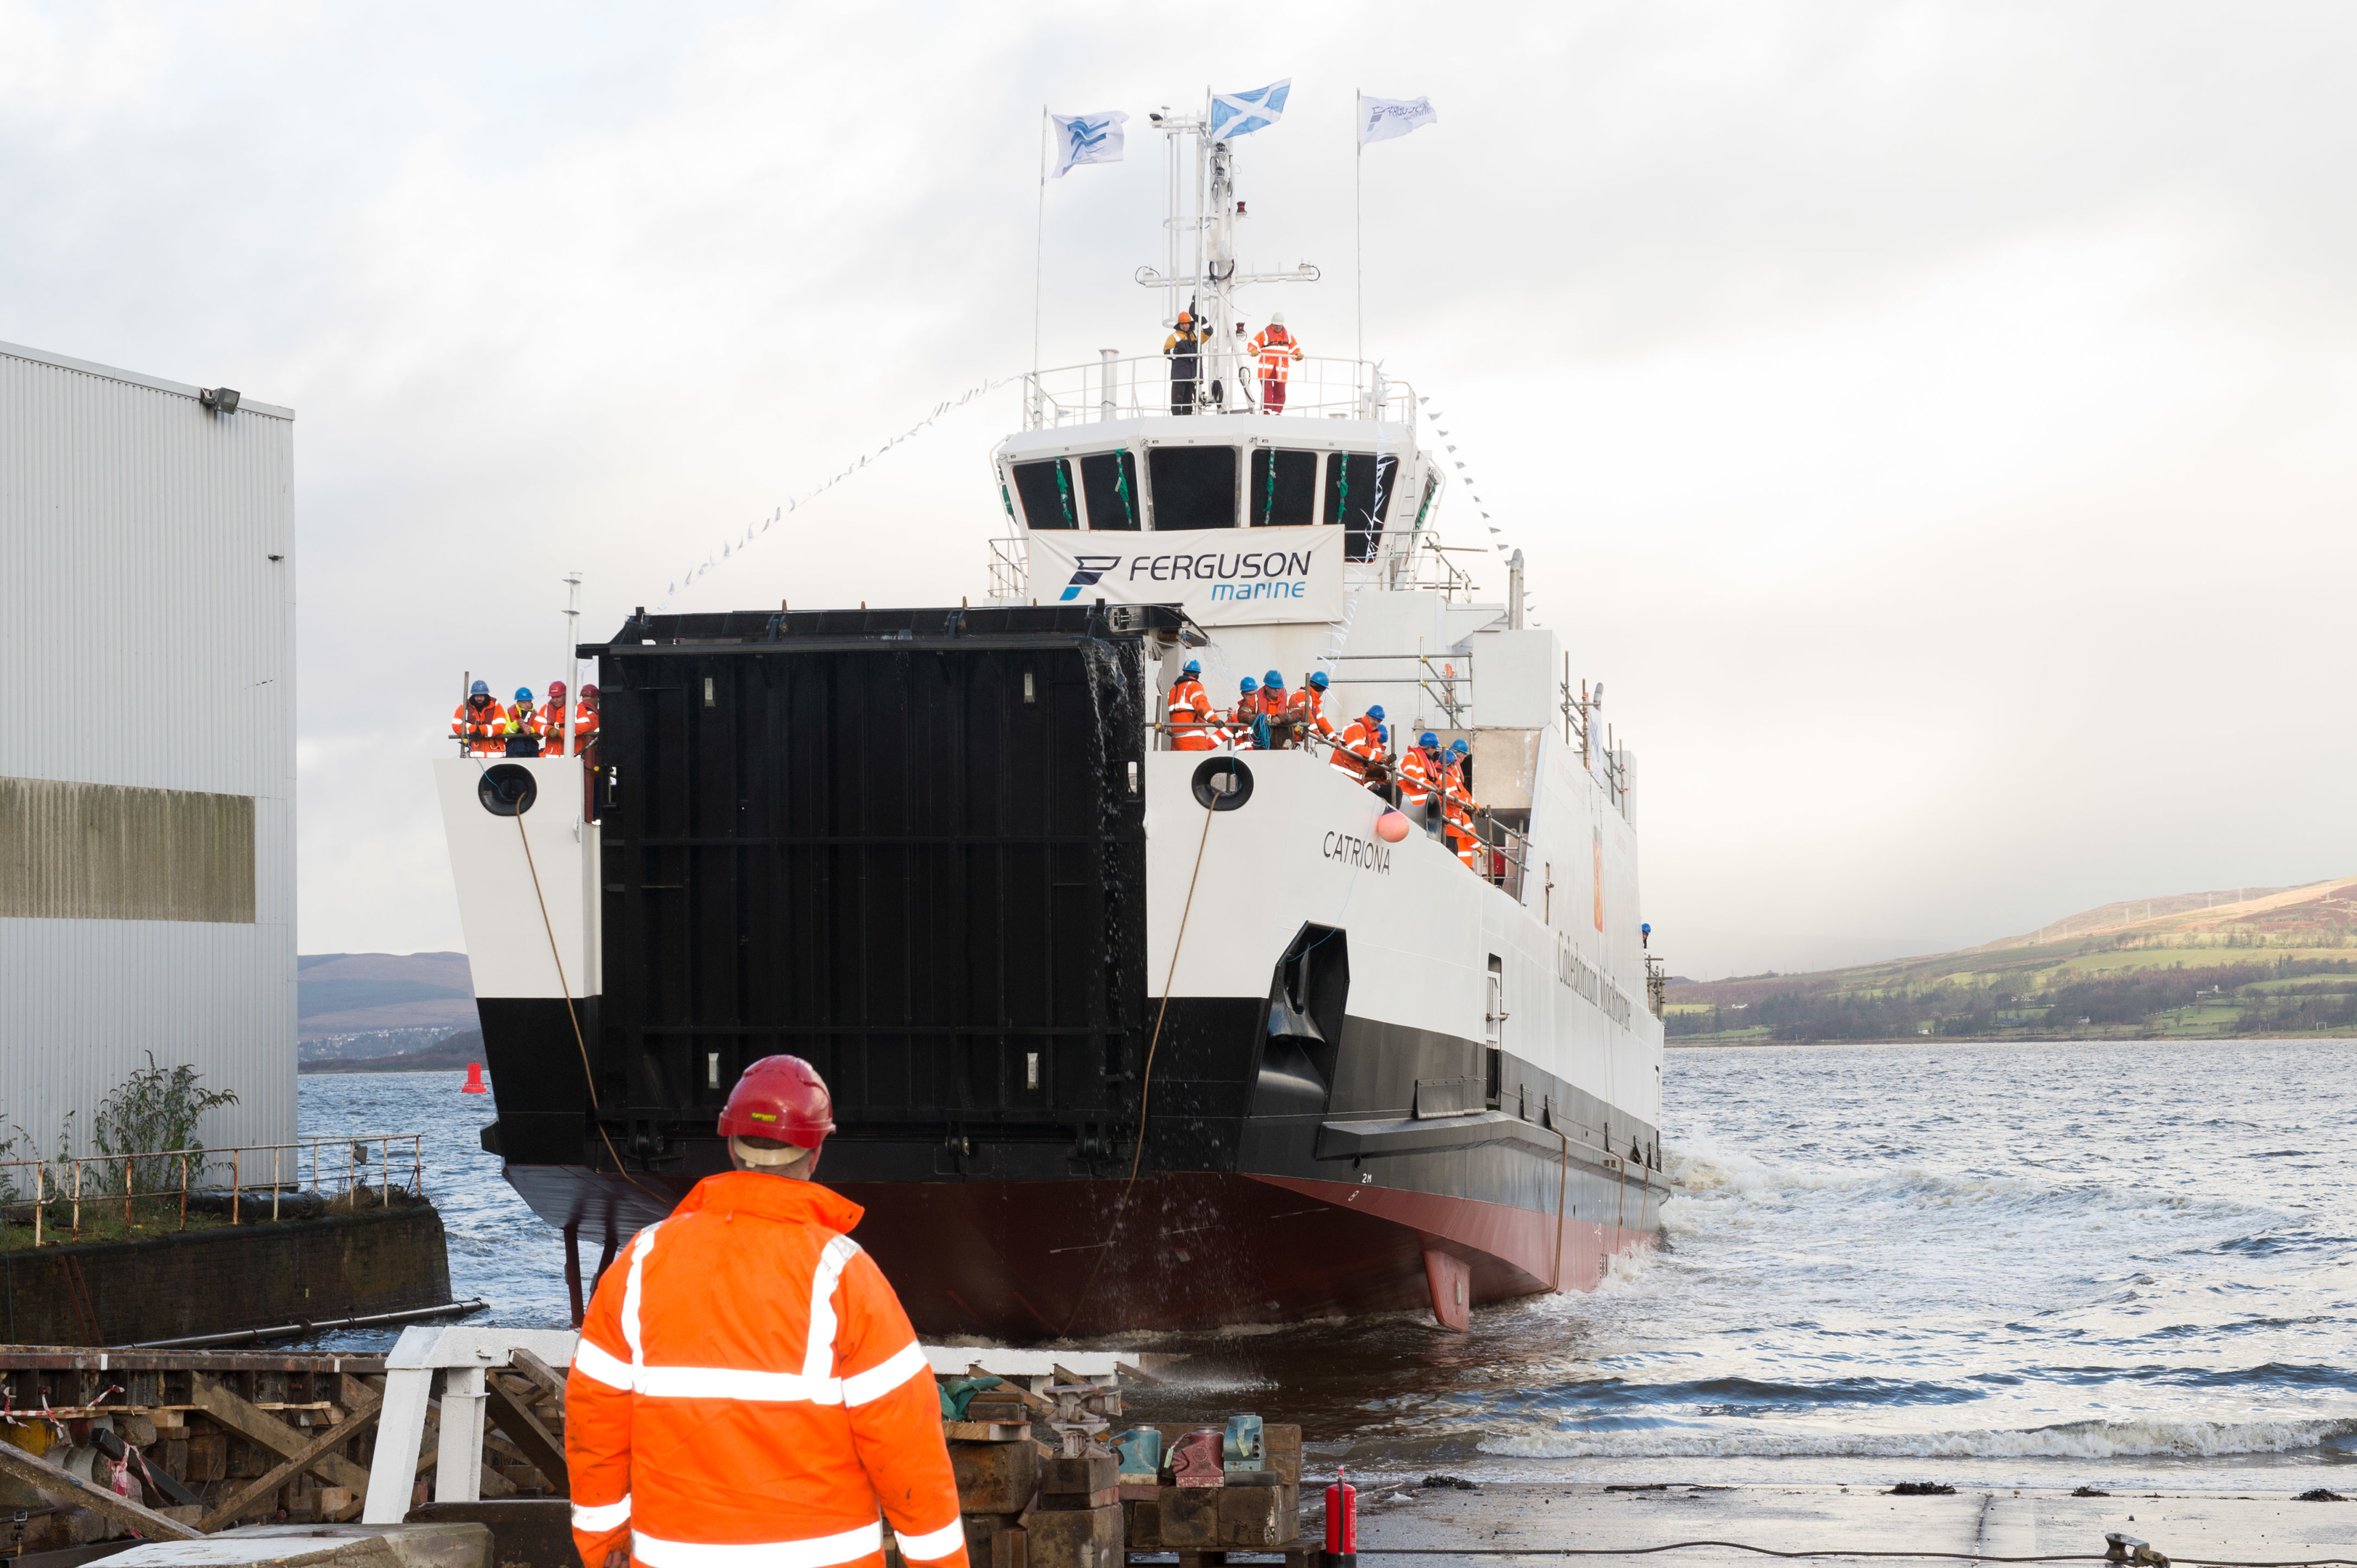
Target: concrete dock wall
{"points": [[225, 1278]]}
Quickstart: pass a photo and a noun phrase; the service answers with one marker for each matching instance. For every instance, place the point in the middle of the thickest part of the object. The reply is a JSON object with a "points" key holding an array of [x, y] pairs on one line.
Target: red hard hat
{"points": [[590, 690], [557, 688], [781, 1098]]}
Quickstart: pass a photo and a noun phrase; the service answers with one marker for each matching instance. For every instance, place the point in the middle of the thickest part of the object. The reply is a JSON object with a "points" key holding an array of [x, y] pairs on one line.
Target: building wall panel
{"points": [[146, 629], [101, 851]]}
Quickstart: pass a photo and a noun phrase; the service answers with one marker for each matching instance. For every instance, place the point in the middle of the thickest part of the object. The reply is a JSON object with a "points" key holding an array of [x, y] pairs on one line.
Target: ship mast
{"points": [[1213, 281]]}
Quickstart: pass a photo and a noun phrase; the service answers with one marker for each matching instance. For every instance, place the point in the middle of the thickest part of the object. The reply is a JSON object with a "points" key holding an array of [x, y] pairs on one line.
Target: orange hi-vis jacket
{"points": [[1275, 350], [585, 727], [1307, 709], [480, 727], [549, 724], [1359, 749], [747, 1393], [1190, 716], [1415, 779]]}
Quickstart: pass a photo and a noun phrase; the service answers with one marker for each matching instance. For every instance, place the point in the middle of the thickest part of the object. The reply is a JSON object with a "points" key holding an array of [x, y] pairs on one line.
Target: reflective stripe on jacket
{"points": [[1275, 351], [1415, 782], [1310, 712], [747, 1393], [1359, 749], [1190, 715]]}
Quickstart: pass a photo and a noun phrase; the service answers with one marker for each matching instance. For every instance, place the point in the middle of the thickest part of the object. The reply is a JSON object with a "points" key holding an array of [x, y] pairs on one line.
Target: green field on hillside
{"points": [[2282, 965]]}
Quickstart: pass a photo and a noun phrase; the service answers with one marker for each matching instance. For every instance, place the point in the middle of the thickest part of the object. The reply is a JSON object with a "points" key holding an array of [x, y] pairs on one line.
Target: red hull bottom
{"points": [[1031, 1260]]}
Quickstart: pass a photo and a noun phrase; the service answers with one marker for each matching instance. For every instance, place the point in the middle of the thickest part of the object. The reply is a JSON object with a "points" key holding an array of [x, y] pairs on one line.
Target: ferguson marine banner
{"points": [[1222, 576]]}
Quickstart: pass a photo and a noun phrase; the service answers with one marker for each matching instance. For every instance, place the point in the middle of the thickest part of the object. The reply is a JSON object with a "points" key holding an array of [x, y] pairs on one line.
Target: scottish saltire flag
{"points": [[1088, 139], [1241, 113], [1380, 119]]}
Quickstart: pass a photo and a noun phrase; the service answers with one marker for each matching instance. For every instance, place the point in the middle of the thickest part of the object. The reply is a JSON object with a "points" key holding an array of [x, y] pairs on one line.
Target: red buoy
{"points": [[475, 1084]]}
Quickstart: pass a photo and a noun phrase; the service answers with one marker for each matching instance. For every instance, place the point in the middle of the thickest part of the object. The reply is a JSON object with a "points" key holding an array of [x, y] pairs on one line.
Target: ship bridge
{"points": [[1104, 451]]}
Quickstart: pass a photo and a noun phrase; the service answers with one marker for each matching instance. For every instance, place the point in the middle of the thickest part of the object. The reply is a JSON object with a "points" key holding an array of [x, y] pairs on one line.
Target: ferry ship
{"points": [[1121, 1037]]}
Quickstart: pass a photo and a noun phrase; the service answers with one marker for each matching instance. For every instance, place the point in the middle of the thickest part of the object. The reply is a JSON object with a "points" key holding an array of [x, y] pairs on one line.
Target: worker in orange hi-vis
{"points": [[548, 724], [1359, 751], [1458, 806], [1306, 713], [1275, 351], [1417, 764], [1190, 721], [477, 722], [747, 1390], [585, 724], [1240, 727]]}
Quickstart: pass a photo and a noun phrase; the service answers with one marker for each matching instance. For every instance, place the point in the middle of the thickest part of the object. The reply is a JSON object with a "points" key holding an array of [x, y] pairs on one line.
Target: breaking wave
{"points": [[2069, 1440]]}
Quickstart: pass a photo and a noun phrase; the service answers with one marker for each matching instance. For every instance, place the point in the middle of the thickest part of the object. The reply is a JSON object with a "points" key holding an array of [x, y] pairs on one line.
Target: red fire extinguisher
{"points": [[1342, 1523]]}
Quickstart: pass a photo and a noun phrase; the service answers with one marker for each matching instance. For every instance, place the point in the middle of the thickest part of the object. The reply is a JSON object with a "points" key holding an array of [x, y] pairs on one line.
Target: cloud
{"points": [[1928, 419]]}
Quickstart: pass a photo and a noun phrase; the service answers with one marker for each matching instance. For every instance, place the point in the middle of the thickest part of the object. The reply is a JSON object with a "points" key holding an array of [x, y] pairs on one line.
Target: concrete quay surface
{"points": [[1409, 1528]]}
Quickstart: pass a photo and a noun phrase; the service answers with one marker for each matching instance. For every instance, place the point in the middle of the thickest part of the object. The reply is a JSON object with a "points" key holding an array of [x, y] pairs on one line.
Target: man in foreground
{"points": [[747, 1389]]}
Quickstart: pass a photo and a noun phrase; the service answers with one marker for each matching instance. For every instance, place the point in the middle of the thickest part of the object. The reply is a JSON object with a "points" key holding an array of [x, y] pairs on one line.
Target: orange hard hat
{"points": [[781, 1098]]}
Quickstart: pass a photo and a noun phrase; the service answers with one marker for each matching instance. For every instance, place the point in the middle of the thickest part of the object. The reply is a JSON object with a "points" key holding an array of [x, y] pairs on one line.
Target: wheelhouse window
{"points": [[1358, 492], [1046, 491], [1284, 488], [1194, 487], [1109, 485]]}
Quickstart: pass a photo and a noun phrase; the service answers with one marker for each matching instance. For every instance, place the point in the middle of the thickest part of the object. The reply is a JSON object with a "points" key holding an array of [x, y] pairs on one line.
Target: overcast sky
{"points": [[1931, 421]]}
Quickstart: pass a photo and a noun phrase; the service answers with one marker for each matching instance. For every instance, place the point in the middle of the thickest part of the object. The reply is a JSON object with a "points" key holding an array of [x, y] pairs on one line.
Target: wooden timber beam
{"points": [[24, 1466], [257, 1425], [551, 1381], [227, 1511], [523, 1429]]}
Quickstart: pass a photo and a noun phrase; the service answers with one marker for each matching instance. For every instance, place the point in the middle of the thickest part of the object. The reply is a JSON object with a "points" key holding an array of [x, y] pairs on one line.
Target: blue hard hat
{"points": [[1459, 747], [1647, 928], [1275, 678], [1376, 712], [1194, 667], [523, 693], [1247, 684], [1383, 733], [1318, 679], [1427, 738], [482, 689]]}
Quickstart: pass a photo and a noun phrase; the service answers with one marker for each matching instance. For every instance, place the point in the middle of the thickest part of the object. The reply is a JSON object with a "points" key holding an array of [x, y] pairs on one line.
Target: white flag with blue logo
{"points": [[1241, 113], [1088, 139], [1380, 119]]}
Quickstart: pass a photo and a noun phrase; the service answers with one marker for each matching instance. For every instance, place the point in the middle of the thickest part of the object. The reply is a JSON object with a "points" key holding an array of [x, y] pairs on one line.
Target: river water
{"points": [[2118, 1265]]}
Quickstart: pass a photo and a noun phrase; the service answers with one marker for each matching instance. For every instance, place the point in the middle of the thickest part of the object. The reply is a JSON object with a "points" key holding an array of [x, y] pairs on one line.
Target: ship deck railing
{"points": [[48, 1197], [1140, 387]]}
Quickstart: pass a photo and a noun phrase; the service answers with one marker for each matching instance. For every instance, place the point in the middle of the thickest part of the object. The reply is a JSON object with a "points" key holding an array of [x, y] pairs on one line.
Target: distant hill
{"points": [[412, 998], [451, 1054], [2271, 961]]}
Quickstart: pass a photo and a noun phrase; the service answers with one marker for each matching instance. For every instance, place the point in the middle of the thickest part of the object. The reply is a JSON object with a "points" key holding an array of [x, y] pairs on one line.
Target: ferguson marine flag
{"points": [[1088, 139], [1380, 119], [1241, 114], [1224, 576]]}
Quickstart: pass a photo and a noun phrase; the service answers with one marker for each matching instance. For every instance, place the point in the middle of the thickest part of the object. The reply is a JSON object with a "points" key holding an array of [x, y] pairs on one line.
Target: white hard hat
{"points": [[1278, 320]]}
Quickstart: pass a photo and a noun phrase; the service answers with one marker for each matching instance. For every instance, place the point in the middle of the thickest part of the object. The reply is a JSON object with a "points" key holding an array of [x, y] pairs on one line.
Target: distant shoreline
{"points": [[1695, 1044]]}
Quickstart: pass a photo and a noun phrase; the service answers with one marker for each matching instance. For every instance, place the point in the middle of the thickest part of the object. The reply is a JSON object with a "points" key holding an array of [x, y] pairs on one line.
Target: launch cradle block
{"points": [[1085, 1476], [994, 1477], [1074, 1538]]}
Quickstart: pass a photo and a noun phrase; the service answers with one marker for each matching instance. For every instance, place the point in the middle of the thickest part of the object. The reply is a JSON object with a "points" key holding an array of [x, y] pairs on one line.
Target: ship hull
{"points": [[1024, 1262]]}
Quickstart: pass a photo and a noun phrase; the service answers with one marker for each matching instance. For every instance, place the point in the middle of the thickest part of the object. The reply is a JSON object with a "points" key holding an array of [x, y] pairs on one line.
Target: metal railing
{"points": [[331, 1168], [1142, 386], [1011, 570]]}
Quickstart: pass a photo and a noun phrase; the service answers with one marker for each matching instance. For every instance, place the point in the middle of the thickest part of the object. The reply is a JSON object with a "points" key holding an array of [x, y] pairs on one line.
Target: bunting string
{"points": [[734, 547]]}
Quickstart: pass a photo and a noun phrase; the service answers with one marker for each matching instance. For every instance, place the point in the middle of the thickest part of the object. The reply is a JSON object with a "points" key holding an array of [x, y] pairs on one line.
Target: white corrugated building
{"points": [[146, 744]]}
